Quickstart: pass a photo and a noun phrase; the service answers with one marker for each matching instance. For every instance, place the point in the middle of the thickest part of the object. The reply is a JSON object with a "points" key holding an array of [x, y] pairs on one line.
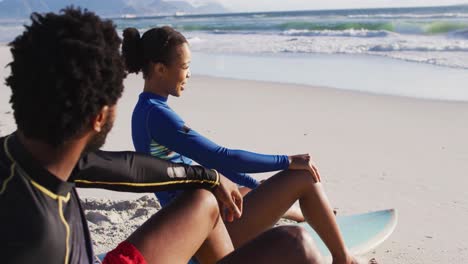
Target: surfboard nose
{"points": [[361, 232]]}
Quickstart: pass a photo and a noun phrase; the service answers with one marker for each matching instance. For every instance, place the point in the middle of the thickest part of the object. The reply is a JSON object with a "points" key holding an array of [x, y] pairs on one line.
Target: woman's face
{"points": [[178, 71]]}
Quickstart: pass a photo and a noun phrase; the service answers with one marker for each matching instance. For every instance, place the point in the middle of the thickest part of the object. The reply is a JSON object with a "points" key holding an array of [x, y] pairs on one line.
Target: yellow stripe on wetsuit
{"points": [[132, 184], [44, 190], [12, 167]]}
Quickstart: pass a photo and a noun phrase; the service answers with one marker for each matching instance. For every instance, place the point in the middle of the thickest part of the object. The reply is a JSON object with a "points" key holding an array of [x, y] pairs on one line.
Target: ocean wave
{"points": [[359, 33], [409, 16], [302, 25], [281, 27], [216, 28], [359, 29], [402, 47], [440, 27], [378, 28], [425, 49]]}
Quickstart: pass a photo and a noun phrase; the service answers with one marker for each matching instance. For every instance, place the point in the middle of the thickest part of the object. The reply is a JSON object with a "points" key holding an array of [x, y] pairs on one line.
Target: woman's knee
{"points": [[301, 177], [206, 200]]}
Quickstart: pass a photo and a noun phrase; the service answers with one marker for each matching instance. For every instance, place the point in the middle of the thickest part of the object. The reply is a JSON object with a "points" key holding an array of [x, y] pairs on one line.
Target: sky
{"points": [[282, 5]]}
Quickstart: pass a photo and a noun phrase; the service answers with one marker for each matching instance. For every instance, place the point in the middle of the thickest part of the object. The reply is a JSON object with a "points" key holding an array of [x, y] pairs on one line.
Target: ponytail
{"points": [[131, 50]]}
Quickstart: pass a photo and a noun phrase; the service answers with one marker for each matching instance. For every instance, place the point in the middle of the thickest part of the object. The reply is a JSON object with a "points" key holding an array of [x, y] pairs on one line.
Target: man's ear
{"points": [[98, 121]]}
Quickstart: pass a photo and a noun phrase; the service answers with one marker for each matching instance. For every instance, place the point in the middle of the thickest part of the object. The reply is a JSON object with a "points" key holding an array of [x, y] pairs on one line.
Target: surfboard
{"points": [[361, 232]]}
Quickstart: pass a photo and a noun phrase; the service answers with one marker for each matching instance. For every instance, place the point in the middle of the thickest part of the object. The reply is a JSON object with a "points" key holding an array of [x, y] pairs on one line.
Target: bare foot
{"points": [[353, 260], [360, 260]]}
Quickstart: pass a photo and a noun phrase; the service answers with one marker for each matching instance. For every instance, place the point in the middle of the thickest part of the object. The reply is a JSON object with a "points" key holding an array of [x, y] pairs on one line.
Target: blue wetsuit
{"points": [[159, 131]]}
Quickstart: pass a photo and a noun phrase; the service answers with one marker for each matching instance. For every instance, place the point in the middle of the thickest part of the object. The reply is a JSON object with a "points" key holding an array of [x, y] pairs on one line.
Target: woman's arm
{"points": [[168, 129], [241, 179], [132, 172]]}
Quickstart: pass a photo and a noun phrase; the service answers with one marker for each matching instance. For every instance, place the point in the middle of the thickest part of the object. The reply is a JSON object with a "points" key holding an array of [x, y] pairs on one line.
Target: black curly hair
{"points": [[157, 45], [65, 68]]}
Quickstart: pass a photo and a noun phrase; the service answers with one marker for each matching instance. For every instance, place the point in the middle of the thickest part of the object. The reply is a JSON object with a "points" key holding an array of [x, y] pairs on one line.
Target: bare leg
{"points": [[293, 213], [285, 244], [217, 245], [260, 212], [176, 232]]}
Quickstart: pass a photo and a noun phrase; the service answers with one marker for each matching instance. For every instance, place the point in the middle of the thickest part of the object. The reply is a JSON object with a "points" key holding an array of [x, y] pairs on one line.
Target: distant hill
{"points": [[160, 7], [23, 8]]}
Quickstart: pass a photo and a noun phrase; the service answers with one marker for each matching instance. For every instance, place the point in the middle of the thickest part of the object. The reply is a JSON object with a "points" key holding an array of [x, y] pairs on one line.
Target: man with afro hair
{"points": [[66, 78]]}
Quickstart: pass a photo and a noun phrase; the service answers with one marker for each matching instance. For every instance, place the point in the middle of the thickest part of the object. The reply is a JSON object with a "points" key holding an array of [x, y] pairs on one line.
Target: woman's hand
{"points": [[302, 162], [229, 198]]}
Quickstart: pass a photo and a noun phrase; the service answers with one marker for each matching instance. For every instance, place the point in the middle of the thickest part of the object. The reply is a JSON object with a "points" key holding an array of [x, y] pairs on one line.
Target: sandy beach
{"points": [[374, 152]]}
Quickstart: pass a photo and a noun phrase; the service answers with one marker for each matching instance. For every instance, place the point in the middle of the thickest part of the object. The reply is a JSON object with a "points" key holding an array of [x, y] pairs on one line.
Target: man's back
{"points": [[40, 213]]}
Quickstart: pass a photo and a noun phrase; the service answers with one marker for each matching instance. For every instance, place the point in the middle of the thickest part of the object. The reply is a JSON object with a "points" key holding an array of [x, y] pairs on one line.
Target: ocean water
{"points": [[406, 47], [436, 35]]}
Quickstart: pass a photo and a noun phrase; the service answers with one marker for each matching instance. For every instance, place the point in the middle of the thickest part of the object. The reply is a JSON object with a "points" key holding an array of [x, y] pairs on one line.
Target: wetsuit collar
{"points": [[149, 95], [34, 170]]}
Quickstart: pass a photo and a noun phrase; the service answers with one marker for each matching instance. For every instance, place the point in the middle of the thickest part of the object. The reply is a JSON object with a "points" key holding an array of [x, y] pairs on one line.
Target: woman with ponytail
{"points": [[163, 56]]}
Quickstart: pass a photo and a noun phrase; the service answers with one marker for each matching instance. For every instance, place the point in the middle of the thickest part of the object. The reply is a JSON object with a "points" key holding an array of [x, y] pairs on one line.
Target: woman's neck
{"points": [[154, 88]]}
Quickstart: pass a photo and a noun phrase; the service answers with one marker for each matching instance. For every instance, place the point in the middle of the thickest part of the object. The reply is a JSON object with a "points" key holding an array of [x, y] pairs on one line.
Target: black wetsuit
{"points": [[41, 219]]}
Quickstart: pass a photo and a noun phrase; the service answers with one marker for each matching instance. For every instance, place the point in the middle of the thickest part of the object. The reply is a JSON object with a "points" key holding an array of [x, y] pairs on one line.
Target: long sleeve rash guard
{"points": [[42, 220], [159, 131]]}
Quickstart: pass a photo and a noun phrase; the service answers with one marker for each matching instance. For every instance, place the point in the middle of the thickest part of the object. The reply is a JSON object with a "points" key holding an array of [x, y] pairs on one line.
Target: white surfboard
{"points": [[361, 232]]}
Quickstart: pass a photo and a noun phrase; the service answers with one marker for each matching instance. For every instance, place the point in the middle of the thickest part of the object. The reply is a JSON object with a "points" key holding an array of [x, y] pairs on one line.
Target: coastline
{"points": [[373, 152], [373, 74]]}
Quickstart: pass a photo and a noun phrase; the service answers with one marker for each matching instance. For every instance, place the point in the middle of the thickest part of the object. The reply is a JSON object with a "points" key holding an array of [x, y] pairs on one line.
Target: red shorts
{"points": [[124, 253]]}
